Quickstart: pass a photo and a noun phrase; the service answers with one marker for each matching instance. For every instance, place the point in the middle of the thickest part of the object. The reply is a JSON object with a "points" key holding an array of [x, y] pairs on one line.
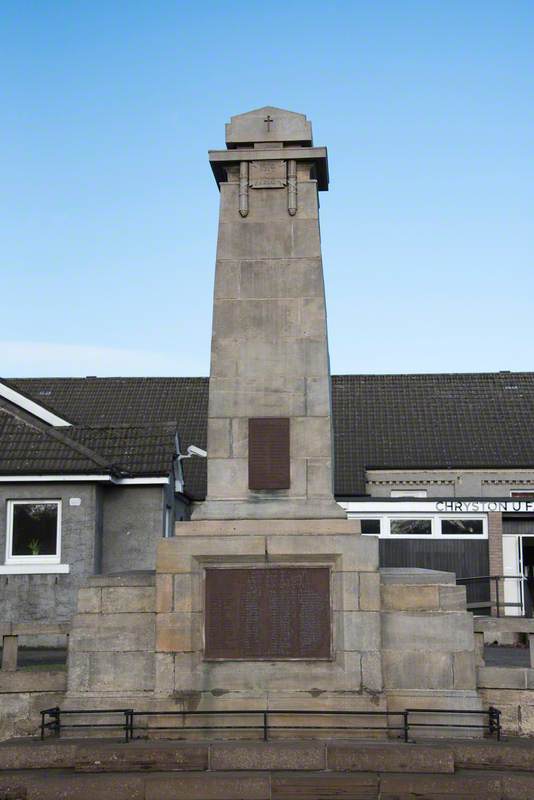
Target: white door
{"points": [[511, 556]]}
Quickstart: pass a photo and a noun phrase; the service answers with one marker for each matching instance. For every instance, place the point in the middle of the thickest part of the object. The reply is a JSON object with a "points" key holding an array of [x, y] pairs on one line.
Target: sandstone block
{"points": [[209, 786], [89, 600], [112, 632], [178, 632], [357, 630], [141, 756], [464, 670], [164, 593], [268, 755], [319, 477], [402, 597], [164, 673], [125, 599], [452, 598], [188, 592], [117, 672], [311, 437], [358, 757], [417, 669], [345, 591], [431, 631], [372, 679], [370, 591], [502, 677], [219, 438]]}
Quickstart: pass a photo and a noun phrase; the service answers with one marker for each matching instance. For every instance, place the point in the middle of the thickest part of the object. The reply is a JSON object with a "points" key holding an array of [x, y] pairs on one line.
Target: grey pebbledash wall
{"points": [[133, 523], [52, 598]]}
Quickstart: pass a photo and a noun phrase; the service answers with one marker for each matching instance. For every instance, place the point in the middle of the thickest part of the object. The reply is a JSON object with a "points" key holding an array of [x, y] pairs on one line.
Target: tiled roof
{"points": [[435, 421], [124, 450], [381, 421]]}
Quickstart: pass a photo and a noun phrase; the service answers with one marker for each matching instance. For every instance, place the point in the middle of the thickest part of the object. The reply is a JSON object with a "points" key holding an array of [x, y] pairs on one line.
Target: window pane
{"points": [[34, 529], [370, 526], [411, 527], [527, 494], [461, 526]]}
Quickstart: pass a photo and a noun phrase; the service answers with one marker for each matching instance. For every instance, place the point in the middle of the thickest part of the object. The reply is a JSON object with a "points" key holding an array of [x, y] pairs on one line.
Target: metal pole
{"points": [[42, 724], [497, 599], [406, 727], [265, 727]]}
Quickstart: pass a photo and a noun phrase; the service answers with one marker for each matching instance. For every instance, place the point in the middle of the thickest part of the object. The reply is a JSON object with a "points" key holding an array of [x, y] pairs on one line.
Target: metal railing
{"points": [[486, 594], [51, 721]]}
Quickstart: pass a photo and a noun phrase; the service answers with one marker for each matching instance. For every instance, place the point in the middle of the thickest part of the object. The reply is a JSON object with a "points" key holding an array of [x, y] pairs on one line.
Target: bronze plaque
{"points": [[268, 453], [272, 613]]}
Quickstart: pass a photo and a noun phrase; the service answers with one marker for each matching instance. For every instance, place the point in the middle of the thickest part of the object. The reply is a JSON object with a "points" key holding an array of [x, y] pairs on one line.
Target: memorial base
{"points": [[307, 637]]}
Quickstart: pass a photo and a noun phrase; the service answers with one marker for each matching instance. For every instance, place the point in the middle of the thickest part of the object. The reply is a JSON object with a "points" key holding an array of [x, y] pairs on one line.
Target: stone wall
{"points": [[112, 644], [23, 695]]}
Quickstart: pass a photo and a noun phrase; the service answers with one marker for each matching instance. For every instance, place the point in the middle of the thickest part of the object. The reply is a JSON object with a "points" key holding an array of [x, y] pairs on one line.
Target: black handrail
{"points": [[129, 716], [495, 601]]}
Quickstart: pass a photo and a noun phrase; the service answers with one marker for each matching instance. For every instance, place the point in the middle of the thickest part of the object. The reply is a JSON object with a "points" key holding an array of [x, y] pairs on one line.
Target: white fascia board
{"points": [[32, 407], [443, 505], [80, 479]]}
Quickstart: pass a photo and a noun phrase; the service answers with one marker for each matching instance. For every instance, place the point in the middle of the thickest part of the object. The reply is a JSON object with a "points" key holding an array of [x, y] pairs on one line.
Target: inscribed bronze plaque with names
{"points": [[267, 174], [268, 613]]}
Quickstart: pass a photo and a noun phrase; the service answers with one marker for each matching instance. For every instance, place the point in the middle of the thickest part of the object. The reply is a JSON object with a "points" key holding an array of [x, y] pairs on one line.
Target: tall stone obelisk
{"points": [[269, 420]]}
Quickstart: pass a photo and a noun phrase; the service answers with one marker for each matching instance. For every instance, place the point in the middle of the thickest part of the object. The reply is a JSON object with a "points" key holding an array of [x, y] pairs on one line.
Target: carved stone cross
{"points": [[268, 119]]}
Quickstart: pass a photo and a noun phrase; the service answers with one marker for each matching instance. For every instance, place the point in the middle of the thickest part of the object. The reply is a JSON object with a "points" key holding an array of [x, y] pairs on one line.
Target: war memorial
{"points": [[268, 656]]}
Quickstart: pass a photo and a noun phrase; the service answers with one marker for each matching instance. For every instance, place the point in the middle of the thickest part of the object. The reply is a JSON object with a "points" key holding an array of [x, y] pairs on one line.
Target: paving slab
{"points": [[208, 786], [59, 785], [356, 757], [268, 755], [518, 786], [324, 786], [434, 787]]}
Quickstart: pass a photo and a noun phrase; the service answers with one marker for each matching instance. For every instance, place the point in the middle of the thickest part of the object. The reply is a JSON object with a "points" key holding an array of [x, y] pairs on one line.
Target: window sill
{"points": [[34, 569]]}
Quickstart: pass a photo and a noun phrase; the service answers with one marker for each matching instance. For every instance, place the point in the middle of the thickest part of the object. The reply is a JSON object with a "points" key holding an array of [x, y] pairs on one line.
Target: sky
{"points": [[108, 208]]}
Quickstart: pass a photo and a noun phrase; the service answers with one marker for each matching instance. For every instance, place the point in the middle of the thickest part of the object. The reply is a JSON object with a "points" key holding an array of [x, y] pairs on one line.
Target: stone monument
{"points": [[269, 592], [269, 598]]}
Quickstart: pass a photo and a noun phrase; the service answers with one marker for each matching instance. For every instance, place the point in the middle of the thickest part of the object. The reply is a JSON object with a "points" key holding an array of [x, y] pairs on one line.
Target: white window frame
{"points": [[31, 560], [481, 536], [385, 525], [379, 517], [528, 490], [408, 518]]}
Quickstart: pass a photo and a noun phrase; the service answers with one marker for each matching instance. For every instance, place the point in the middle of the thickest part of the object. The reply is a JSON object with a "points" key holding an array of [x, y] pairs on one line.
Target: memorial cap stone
{"points": [[268, 124]]}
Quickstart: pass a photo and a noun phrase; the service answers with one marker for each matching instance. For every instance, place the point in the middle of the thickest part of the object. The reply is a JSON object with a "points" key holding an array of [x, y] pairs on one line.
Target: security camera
{"points": [[193, 450]]}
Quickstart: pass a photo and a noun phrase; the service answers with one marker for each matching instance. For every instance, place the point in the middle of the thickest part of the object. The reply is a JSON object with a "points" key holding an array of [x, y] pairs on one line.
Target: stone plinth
{"points": [[353, 670]]}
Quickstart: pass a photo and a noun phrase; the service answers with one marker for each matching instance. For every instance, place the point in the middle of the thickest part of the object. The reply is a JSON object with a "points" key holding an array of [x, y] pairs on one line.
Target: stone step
{"points": [[463, 784], [70, 785], [324, 786], [338, 756]]}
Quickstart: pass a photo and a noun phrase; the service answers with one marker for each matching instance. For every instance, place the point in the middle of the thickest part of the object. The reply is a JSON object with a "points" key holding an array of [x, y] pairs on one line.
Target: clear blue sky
{"points": [[108, 210]]}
